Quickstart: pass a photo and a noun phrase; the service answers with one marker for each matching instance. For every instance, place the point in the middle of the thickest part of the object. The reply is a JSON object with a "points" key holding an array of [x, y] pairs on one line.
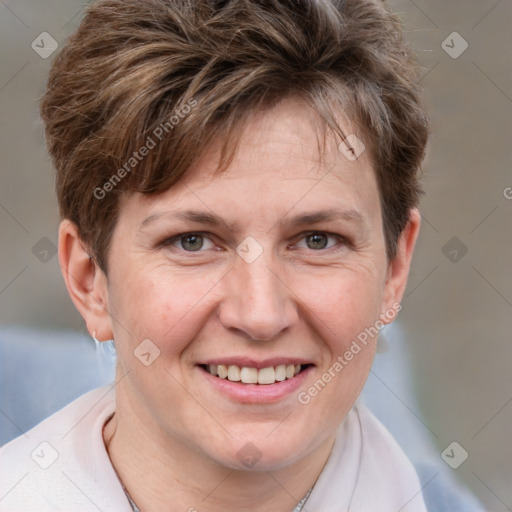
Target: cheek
{"points": [[342, 304], [162, 306]]}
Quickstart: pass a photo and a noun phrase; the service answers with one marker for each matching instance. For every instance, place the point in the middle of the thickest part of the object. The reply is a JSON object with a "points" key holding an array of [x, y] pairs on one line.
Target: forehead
{"points": [[284, 143], [280, 164]]}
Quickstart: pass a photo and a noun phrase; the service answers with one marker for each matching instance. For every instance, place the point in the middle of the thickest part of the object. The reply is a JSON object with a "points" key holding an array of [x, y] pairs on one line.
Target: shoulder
{"points": [[385, 470], [62, 463], [378, 443], [366, 470]]}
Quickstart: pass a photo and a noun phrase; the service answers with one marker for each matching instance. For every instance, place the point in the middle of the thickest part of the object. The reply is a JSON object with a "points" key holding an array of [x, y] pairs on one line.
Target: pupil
{"points": [[192, 242], [318, 241]]}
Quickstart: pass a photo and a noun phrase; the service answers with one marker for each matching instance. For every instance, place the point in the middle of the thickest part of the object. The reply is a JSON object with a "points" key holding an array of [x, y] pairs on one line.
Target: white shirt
{"points": [[62, 465]]}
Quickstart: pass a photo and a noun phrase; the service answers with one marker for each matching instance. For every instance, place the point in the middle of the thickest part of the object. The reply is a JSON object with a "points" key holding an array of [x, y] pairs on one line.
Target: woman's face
{"points": [[278, 262]]}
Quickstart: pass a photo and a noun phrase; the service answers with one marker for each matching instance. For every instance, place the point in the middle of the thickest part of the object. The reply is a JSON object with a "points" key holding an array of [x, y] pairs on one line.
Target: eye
{"points": [[319, 240], [190, 242]]}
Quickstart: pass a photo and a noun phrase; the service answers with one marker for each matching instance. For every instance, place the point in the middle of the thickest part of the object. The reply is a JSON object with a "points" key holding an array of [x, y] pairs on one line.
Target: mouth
{"points": [[251, 375]]}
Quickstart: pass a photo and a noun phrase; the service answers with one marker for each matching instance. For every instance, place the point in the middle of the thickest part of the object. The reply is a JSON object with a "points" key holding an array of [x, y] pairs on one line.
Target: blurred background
{"points": [[454, 330]]}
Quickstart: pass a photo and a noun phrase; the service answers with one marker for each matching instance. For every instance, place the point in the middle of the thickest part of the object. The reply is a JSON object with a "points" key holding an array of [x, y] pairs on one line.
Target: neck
{"points": [[157, 474]]}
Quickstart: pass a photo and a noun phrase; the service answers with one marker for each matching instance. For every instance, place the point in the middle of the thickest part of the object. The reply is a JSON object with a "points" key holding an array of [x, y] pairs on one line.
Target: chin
{"points": [[264, 452]]}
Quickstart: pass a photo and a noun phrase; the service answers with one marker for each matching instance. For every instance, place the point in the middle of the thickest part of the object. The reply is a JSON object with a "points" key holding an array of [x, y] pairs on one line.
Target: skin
{"points": [[174, 437]]}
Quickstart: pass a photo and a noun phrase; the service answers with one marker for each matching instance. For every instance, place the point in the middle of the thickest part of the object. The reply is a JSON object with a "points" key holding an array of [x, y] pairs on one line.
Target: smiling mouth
{"points": [[249, 375]]}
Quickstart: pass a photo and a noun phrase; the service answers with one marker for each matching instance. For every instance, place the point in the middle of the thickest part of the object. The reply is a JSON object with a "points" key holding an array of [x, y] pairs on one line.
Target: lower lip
{"points": [[257, 393]]}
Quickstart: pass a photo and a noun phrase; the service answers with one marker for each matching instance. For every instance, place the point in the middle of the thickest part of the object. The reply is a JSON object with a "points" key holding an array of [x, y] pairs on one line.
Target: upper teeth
{"points": [[249, 375]]}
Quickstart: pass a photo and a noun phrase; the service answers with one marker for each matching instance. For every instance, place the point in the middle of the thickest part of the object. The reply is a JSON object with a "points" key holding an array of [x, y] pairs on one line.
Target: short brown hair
{"points": [[134, 64]]}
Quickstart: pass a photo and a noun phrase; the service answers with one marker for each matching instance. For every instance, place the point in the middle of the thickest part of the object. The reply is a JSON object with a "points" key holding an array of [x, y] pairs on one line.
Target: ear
{"points": [[85, 281], [398, 269]]}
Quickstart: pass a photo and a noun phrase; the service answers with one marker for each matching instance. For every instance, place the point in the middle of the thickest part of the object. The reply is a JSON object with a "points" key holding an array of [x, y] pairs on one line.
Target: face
{"points": [[268, 271]]}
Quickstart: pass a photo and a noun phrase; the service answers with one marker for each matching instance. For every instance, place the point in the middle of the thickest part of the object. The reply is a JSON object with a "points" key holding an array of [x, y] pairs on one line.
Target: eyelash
{"points": [[342, 241]]}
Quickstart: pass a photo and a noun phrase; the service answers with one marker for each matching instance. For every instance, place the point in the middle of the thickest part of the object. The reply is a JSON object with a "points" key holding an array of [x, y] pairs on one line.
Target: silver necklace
{"points": [[302, 502], [135, 508]]}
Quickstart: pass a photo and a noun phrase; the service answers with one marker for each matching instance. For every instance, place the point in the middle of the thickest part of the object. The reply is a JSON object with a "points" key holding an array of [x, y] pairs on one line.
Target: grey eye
{"points": [[317, 240], [192, 242]]}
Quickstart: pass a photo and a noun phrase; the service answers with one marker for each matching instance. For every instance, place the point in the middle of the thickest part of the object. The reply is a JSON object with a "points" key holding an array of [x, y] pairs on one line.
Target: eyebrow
{"points": [[349, 215], [214, 220], [200, 217]]}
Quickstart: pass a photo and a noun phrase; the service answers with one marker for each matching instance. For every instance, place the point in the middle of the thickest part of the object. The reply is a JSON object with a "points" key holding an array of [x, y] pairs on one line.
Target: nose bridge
{"points": [[257, 302]]}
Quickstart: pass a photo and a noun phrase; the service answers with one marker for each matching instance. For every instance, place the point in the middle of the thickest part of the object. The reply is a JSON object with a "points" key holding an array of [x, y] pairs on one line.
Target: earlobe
{"points": [[398, 269], [85, 281]]}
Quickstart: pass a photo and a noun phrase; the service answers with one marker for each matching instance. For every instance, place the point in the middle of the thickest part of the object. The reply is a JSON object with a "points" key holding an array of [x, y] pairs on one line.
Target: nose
{"points": [[257, 301]]}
